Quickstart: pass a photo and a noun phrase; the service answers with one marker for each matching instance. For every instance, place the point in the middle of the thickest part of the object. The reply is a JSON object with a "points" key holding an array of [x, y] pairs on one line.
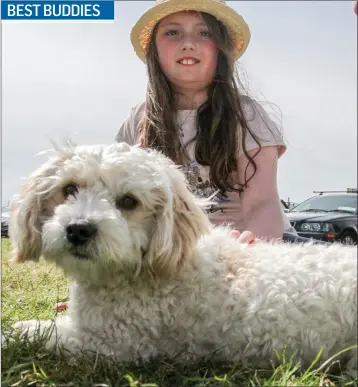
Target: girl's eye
{"points": [[171, 33], [205, 33]]}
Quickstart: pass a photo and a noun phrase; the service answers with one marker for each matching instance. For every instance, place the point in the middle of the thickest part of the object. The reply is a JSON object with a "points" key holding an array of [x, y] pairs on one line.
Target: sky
{"points": [[80, 80]]}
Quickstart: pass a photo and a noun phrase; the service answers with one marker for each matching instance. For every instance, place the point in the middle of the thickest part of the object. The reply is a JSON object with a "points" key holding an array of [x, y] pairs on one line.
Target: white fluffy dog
{"points": [[152, 277]]}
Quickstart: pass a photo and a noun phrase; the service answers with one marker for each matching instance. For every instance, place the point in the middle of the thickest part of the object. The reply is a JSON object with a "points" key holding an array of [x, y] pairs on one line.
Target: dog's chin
{"points": [[70, 253], [90, 264], [80, 253]]}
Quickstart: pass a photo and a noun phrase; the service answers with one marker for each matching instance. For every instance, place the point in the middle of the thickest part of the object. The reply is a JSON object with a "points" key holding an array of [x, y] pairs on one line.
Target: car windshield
{"points": [[329, 203]]}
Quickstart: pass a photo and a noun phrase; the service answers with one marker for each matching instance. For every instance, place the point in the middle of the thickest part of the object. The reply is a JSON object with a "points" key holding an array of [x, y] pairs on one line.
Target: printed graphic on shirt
{"points": [[202, 188]]}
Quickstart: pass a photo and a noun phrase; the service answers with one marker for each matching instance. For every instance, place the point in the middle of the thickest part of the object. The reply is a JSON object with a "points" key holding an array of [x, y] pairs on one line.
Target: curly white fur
{"points": [[158, 280]]}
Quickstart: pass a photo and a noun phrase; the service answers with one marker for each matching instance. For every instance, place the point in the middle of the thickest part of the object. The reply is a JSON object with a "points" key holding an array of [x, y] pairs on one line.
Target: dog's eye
{"points": [[126, 202], [70, 189]]}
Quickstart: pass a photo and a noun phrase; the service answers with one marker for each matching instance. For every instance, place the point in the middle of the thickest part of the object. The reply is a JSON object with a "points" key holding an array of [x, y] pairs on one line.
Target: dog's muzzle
{"points": [[80, 233]]}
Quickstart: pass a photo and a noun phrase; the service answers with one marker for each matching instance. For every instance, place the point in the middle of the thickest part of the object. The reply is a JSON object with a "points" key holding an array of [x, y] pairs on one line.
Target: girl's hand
{"points": [[244, 237]]}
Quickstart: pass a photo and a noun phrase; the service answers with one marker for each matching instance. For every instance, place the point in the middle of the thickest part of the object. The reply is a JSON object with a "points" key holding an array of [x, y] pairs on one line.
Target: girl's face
{"points": [[187, 52]]}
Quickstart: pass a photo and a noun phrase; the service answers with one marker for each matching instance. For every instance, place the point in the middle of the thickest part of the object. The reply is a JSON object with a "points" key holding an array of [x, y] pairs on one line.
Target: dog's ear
{"points": [[180, 223], [31, 207], [24, 226]]}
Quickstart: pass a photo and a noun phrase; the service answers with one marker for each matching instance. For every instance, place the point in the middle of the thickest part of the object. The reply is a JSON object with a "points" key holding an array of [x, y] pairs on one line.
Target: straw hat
{"points": [[234, 23]]}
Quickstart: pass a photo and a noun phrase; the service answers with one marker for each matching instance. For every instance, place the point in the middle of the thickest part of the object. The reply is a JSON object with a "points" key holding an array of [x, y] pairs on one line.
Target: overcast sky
{"points": [[81, 80]]}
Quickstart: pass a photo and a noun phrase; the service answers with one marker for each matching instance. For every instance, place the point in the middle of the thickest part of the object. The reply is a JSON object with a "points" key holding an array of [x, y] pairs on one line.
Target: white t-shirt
{"points": [[227, 209]]}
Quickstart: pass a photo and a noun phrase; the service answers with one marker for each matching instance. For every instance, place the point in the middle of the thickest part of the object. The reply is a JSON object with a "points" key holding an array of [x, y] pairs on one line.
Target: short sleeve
{"points": [[129, 130], [262, 127]]}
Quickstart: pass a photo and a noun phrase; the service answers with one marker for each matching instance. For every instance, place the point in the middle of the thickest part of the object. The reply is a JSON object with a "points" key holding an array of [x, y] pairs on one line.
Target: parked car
{"points": [[327, 217], [5, 215]]}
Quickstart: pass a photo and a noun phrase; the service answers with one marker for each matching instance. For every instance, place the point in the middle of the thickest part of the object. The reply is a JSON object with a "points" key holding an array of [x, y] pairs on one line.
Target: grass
{"points": [[29, 292]]}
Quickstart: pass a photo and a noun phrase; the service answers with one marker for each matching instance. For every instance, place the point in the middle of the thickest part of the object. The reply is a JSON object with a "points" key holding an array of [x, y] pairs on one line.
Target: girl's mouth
{"points": [[188, 61]]}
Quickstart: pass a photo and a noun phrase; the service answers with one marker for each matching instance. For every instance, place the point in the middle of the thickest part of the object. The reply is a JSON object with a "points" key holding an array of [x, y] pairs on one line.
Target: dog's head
{"points": [[99, 209]]}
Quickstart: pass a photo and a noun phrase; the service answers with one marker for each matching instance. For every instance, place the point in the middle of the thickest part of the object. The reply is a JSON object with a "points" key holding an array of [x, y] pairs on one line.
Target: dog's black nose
{"points": [[80, 233]]}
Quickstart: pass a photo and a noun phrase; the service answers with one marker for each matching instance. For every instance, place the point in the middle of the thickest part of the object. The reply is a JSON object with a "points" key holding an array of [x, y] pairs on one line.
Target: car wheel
{"points": [[349, 238]]}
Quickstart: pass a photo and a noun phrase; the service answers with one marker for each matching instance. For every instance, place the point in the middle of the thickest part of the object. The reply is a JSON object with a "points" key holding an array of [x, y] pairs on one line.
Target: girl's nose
{"points": [[188, 43]]}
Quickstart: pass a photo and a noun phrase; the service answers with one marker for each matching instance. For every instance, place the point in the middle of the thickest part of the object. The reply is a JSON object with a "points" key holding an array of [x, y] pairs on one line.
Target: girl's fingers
{"points": [[244, 237], [247, 237]]}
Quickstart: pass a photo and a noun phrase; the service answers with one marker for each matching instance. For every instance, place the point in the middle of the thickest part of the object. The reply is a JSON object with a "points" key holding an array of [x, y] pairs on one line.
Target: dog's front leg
{"points": [[58, 334]]}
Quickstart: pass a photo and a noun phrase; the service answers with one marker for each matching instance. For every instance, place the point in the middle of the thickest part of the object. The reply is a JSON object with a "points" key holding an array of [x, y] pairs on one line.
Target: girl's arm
{"points": [[261, 205]]}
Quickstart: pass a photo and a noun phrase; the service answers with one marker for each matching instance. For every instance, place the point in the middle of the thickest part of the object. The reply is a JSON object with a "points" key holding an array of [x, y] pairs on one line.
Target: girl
{"points": [[196, 114]]}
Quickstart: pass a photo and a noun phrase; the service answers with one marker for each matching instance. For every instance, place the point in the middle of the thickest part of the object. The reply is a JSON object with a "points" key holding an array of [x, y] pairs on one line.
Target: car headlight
{"points": [[323, 227]]}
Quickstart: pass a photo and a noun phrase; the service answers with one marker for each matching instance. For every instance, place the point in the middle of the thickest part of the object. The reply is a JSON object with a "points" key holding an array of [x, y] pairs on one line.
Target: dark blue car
{"points": [[327, 217]]}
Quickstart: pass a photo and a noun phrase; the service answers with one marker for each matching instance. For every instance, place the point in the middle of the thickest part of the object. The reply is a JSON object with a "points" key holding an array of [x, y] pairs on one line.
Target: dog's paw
{"points": [[33, 329], [25, 325], [20, 329]]}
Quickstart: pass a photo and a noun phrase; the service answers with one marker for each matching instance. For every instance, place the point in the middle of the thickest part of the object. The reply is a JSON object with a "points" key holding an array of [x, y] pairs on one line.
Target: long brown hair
{"points": [[218, 139]]}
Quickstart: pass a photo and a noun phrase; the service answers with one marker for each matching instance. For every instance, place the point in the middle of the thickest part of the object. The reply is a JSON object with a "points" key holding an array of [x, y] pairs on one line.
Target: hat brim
{"points": [[236, 26]]}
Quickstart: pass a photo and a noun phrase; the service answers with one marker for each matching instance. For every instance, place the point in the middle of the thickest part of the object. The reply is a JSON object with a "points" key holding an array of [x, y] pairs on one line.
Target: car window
{"points": [[336, 203]]}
